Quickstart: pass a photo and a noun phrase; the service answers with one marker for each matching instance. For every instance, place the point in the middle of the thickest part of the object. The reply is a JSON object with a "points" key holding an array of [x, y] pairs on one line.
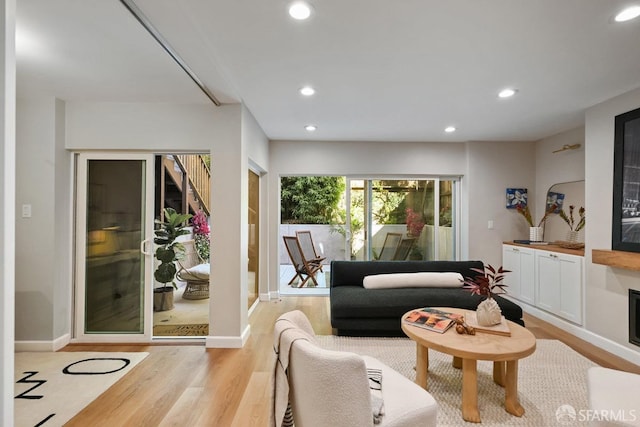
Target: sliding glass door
{"points": [[114, 199], [402, 219]]}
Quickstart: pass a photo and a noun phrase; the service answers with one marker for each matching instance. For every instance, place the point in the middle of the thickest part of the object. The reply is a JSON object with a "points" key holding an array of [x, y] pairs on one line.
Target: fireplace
{"points": [[634, 317]]}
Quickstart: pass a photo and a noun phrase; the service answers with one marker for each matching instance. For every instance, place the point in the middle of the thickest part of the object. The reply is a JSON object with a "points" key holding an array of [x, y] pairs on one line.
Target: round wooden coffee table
{"points": [[504, 351]]}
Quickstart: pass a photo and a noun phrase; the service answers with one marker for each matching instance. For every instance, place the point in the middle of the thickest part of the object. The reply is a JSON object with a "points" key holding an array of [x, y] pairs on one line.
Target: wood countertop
{"points": [[550, 248]]}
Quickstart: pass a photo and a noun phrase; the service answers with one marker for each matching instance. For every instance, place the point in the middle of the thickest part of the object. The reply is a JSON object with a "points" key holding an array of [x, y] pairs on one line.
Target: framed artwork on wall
{"points": [[625, 235], [515, 197], [554, 198]]}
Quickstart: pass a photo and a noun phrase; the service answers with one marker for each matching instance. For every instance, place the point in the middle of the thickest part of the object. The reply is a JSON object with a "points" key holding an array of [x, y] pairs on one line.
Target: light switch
{"points": [[490, 224], [26, 211]]}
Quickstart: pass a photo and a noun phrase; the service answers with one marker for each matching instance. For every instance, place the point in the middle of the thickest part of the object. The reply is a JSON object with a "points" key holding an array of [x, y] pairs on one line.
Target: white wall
{"points": [[606, 288], [258, 161], [35, 245], [487, 169], [138, 126], [173, 127], [7, 205], [553, 168], [494, 167], [142, 127]]}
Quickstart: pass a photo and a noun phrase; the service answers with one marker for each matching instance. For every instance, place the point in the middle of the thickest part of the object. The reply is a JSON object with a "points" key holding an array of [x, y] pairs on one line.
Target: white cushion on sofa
{"points": [[413, 280]]}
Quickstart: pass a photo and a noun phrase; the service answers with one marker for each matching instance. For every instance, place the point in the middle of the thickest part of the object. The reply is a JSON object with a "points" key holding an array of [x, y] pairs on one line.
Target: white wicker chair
{"points": [[195, 272]]}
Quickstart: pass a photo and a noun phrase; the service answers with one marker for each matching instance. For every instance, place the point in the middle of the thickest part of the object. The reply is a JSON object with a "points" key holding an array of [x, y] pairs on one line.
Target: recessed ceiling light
{"points": [[299, 10], [506, 93], [450, 129], [310, 128], [628, 14], [307, 90]]}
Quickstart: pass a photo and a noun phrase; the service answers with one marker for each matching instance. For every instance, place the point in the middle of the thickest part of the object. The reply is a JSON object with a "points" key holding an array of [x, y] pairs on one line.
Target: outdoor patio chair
{"points": [[308, 248], [402, 252], [194, 271], [301, 265], [390, 246]]}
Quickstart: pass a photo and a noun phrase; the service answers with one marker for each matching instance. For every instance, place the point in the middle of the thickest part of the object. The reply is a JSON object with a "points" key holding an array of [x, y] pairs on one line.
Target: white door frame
{"points": [[80, 248]]}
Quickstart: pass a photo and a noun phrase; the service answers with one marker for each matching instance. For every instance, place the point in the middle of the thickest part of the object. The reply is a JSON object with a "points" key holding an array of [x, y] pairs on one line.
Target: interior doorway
{"points": [[254, 238], [182, 183]]}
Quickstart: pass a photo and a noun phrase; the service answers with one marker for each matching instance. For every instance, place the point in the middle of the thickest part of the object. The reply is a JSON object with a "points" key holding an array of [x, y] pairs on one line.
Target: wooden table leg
{"points": [[499, 373], [457, 362], [422, 365], [511, 403], [470, 391]]}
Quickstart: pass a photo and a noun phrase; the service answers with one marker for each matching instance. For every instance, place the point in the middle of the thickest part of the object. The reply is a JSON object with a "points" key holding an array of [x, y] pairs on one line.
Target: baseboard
{"points": [[267, 296], [228, 342], [604, 343], [43, 346]]}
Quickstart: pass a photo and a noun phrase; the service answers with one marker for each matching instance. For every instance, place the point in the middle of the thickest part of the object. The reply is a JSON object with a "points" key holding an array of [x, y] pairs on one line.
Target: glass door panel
{"points": [[395, 219], [356, 241], [112, 272], [446, 233]]}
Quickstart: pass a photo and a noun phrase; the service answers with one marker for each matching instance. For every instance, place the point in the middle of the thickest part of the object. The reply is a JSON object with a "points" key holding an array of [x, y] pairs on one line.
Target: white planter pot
{"points": [[535, 234]]}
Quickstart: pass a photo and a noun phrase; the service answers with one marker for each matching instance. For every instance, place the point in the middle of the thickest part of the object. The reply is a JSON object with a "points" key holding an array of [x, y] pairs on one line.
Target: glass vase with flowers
{"points": [[574, 226]]}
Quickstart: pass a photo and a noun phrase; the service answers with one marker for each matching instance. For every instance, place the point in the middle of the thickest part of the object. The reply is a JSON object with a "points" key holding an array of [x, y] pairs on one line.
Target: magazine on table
{"points": [[432, 319]]}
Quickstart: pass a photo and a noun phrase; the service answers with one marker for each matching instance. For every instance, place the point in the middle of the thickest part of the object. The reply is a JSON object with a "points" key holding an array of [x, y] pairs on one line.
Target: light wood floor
{"points": [[190, 385]]}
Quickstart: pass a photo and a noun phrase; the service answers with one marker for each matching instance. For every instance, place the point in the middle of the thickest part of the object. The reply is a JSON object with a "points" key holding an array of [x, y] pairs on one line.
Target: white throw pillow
{"points": [[197, 272], [414, 280]]}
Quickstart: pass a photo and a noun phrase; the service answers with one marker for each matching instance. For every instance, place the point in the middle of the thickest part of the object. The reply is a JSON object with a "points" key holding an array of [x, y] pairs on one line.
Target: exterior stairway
{"points": [[184, 183]]}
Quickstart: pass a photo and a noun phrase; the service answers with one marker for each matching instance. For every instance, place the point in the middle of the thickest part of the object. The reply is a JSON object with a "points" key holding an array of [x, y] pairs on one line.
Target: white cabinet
{"points": [[521, 280], [560, 284], [551, 281]]}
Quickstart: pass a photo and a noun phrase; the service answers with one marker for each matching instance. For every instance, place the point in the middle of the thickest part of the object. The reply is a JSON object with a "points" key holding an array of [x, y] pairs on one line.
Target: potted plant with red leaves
{"points": [[488, 282]]}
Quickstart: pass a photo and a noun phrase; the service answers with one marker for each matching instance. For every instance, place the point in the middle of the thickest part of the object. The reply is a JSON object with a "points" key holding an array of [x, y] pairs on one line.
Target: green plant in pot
{"points": [[168, 252]]}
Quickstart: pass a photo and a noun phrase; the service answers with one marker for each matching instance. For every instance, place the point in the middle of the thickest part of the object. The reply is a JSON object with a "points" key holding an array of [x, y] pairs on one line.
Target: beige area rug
{"points": [[187, 318], [51, 388], [553, 376]]}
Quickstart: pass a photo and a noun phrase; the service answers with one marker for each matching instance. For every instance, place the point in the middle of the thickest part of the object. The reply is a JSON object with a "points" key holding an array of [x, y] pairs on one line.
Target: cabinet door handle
{"points": [[553, 256]]}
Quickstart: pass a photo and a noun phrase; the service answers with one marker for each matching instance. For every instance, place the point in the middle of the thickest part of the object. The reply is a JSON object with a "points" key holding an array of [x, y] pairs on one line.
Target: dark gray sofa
{"points": [[358, 311]]}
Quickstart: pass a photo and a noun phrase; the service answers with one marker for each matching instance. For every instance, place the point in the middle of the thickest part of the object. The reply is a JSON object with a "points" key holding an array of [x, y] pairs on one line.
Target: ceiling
{"points": [[384, 70]]}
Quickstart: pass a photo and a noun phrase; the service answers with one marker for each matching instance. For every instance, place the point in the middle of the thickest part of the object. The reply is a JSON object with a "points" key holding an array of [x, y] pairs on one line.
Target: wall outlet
{"points": [[490, 224]]}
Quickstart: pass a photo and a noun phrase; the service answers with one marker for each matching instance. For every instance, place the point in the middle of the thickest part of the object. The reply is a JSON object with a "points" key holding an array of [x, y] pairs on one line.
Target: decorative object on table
{"points": [[201, 233], [501, 328], [463, 328], [535, 232], [556, 199], [487, 283], [516, 197], [168, 251], [574, 227]]}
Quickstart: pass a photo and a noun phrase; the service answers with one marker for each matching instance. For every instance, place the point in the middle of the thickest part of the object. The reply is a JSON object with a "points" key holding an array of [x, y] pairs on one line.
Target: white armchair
{"points": [[331, 388], [614, 395]]}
